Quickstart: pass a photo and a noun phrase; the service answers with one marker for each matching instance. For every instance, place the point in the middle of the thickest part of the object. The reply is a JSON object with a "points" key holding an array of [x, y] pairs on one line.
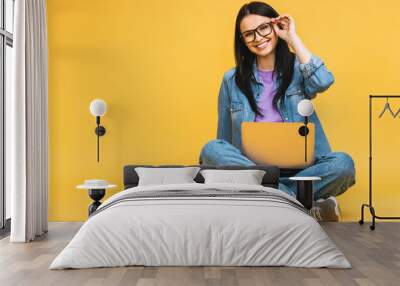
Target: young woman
{"points": [[266, 85]]}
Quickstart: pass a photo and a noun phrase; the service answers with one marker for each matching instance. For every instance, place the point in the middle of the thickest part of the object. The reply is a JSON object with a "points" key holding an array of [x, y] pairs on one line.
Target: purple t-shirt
{"points": [[265, 106]]}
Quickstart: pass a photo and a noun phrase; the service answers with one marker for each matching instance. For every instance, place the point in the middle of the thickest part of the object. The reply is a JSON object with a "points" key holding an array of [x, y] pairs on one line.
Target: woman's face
{"points": [[257, 44]]}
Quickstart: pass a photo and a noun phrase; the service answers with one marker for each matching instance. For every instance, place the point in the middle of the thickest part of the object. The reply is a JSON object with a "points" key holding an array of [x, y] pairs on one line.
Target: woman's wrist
{"points": [[299, 48]]}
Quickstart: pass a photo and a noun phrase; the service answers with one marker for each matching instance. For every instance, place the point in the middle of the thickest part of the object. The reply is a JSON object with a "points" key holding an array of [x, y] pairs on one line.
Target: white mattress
{"points": [[189, 231]]}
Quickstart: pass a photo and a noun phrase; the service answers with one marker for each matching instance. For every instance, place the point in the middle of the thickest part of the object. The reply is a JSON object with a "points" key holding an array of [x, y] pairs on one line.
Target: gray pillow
{"points": [[249, 177], [162, 176]]}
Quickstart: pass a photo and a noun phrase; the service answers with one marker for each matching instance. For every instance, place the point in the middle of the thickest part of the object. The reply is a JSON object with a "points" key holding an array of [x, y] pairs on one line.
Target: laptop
{"points": [[278, 143]]}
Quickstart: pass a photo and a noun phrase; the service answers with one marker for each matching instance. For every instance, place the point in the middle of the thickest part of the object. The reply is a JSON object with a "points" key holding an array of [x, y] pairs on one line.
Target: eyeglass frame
{"points": [[255, 31]]}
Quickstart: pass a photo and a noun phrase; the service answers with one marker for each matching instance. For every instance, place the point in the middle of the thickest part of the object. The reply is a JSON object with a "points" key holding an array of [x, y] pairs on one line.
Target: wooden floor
{"points": [[375, 257]]}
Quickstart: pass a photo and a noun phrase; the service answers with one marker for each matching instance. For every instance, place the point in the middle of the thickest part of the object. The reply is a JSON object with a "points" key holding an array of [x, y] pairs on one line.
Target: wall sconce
{"points": [[98, 108], [305, 108]]}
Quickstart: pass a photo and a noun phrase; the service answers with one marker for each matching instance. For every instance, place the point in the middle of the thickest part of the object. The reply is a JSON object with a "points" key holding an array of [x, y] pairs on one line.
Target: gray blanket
{"points": [[198, 194]]}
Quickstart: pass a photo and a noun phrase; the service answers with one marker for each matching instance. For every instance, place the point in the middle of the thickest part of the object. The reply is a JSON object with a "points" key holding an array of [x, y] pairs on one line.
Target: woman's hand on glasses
{"points": [[284, 27]]}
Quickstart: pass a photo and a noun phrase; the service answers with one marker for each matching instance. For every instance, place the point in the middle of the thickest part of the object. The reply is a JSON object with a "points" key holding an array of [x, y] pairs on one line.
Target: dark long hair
{"points": [[284, 58]]}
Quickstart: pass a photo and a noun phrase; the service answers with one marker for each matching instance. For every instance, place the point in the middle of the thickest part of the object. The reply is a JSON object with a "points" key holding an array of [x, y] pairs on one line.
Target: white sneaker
{"points": [[326, 210]]}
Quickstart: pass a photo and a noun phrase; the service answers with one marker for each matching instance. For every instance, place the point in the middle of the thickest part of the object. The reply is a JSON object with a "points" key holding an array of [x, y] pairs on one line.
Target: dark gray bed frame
{"points": [[270, 179]]}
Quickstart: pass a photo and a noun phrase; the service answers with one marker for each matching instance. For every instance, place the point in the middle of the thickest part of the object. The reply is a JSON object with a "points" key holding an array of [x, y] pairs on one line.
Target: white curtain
{"points": [[26, 123]]}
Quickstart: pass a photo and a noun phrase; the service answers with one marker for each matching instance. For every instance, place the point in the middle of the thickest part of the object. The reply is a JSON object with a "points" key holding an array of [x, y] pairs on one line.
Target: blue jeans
{"points": [[336, 169]]}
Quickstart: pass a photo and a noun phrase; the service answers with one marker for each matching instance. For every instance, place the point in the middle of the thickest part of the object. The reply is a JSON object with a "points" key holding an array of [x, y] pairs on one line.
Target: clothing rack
{"points": [[369, 205]]}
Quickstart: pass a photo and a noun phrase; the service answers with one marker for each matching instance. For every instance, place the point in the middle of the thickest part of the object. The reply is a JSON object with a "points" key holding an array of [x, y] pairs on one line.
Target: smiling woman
{"points": [[266, 85]]}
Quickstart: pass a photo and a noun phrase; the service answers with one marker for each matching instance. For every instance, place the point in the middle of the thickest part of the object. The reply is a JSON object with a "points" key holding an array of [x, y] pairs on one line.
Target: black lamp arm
{"points": [[100, 131], [303, 131]]}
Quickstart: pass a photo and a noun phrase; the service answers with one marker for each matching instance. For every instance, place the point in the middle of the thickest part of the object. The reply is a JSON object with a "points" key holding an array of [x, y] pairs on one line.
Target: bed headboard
{"points": [[270, 179]]}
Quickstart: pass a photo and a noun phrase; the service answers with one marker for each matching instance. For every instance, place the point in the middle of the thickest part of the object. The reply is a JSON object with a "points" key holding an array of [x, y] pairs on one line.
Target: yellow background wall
{"points": [[158, 65]]}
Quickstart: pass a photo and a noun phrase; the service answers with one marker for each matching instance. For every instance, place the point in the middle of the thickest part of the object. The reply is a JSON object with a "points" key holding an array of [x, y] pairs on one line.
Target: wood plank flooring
{"points": [[375, 257]]}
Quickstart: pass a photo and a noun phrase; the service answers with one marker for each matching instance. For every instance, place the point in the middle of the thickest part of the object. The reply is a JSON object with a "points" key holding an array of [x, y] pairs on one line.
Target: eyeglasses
{"points": [[263, 30]]}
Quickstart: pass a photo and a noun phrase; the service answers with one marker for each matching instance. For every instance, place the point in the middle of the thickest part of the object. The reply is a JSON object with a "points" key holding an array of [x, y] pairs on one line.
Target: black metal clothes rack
{"points": [[369, 205]]}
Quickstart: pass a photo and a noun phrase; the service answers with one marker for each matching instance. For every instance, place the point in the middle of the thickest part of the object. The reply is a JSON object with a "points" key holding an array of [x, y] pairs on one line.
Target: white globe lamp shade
{"points": [[305, 107], [98, 107]]}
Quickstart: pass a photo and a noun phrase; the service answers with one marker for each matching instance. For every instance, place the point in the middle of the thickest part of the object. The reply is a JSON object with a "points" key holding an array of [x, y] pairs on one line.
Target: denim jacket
{"points": [[233, 107]]}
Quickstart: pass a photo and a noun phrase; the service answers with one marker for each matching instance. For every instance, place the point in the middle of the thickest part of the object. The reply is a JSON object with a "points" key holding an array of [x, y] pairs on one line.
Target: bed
{"points": [[201, 224]]}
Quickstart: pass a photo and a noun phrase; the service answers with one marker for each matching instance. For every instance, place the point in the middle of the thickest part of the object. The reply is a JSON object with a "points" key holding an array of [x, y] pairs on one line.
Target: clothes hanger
{"points": [[387, 107], [397, 113]]}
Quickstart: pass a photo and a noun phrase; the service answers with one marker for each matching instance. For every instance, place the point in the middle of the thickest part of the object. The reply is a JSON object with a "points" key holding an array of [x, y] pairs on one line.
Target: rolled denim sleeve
{"points": [[224, 130], [317, 78]]}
